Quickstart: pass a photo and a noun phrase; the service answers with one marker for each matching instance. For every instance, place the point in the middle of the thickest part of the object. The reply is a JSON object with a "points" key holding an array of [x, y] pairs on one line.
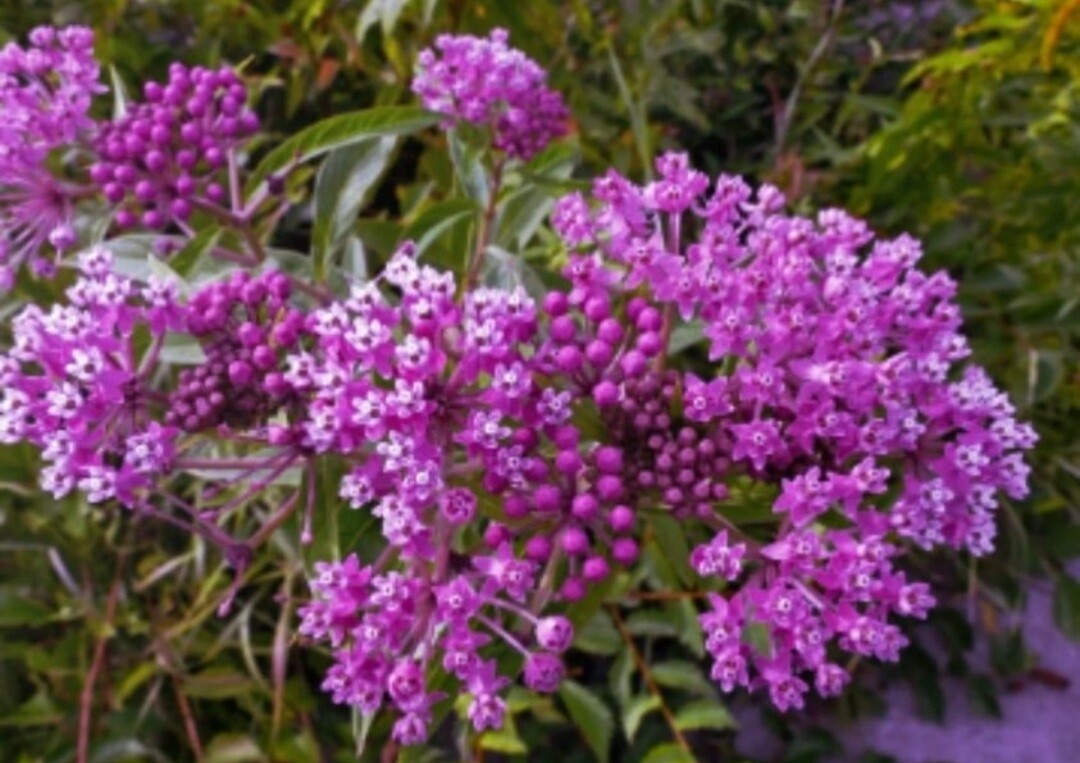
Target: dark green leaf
{"points": [[705, 714], [668, 753], [1067, 606], [591, 716], [342, 187], [340, 131], [671, 538], [634, 712], [687, 676]]}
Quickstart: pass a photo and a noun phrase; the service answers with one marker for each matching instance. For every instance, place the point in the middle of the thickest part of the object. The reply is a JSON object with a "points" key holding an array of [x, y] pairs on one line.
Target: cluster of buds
{"points": [[164, 157]]}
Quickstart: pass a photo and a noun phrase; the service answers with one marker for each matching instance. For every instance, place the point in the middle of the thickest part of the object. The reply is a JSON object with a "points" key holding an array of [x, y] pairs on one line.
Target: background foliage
{"points": [[953, 119]]}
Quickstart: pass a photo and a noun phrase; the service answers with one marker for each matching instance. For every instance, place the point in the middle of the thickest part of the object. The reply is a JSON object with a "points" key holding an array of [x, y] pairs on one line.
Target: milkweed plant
{"points": [[513, 439]]}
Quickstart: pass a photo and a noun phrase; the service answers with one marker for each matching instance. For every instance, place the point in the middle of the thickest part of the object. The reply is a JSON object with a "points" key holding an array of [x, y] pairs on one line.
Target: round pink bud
{"points": [[563, 329], [621, 519], [595, 569], [568, 358], [597, 308], [495, 535], [609, 331], [609, 459], [624, 551], [649, 319], [240, 373], [275, 384], [606, 394], [515, 507], [554, 633], [574, 541], [543, 672], [555, 303], [538, 548], [567, 437], [633, 363], [584, 507], [573, 589], [568, 462], [263, 357], [180, 209], [547, 498], [599, 353], [649, 344], [609, 487], [249, 334]]}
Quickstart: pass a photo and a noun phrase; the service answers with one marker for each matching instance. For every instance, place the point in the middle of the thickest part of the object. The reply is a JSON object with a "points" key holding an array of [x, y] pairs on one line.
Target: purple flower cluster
{"points": [[45, 94], [437, 404], [75, 386], [839, 385], [486, 82], [512, 448], [164, 157], [246, 326]]}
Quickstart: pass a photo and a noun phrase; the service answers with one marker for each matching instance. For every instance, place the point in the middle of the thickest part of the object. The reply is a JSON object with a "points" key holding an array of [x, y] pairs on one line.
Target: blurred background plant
{"points": [[955, 120]]}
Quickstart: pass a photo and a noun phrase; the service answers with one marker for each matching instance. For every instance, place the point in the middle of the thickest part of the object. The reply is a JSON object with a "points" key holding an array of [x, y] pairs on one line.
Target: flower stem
{"points": [[86, 696], [650, 681], [483, 236]]}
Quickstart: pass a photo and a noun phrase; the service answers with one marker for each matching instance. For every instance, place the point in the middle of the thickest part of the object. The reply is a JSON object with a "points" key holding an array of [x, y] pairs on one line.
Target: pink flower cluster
{"points": [[841, 385], [486, 82], [444, 407], [76, 386], [45, 94]]}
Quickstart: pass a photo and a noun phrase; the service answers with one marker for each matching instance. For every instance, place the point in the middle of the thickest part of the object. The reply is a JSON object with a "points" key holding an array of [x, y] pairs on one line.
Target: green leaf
{"points": [[522, 211], [1067, 606], [634, 713], [218, 683], [983, 695], [469, 169], [591, 716], [120, 96], [598, 635], [233, 748], [685, 335], [182, 350], [668, 753], [652, 622], [16, 609], [671, 538], [504, 740], [186, 261], [340, 131], [756, 635], [327, 520], [343, 185], [382, 12], [428, 227], [39, 710], [125, 751], [687, 676], [705, 714]]}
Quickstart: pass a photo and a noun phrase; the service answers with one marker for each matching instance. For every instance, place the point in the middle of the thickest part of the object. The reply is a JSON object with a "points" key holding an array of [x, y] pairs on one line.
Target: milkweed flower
{"points": [[484, 81], [76, 385], [45, 93], [843, 391]]}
